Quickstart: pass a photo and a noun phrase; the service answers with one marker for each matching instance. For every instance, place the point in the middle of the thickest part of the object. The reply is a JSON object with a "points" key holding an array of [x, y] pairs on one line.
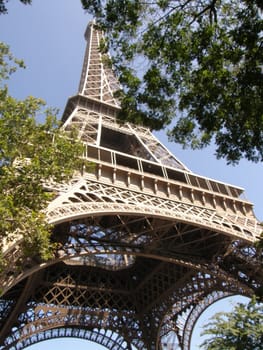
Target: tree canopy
{"points": [[31, 154], [241, 329], [195, 66], [3, 8]]}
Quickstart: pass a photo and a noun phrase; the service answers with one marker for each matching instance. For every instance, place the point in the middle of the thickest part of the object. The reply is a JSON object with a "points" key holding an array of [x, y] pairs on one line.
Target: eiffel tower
{"points": [[144, 244]]}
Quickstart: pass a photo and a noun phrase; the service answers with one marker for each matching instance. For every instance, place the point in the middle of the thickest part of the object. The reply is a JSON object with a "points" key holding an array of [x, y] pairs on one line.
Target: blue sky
{"points": [[49, 37]]}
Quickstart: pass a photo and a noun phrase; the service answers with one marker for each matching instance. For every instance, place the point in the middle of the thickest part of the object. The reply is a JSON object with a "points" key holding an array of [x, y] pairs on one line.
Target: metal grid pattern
{"points": [[89, 122], [143, 245], [91, 197], [97, 79]]}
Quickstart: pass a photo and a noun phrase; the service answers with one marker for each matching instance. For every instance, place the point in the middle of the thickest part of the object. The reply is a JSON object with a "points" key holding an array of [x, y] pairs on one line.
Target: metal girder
{"points": [[143, 244]]}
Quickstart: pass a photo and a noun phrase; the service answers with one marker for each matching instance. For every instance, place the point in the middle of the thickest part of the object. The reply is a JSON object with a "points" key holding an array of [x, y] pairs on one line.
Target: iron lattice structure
{"points": [[144, 244]]}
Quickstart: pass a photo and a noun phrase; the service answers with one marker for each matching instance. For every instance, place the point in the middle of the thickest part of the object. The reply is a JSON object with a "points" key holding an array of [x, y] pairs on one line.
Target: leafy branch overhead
{"points": [[3, 3], [241, 329], [195, 66], [31, 154]]}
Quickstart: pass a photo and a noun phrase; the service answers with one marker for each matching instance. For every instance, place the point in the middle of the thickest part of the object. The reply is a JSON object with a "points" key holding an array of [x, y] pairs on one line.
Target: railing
{"points": [[145, 166]]}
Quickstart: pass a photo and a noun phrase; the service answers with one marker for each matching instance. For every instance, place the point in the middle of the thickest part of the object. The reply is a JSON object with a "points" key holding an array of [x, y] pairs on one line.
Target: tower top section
{"points": [[94, 111], [97, 79]]}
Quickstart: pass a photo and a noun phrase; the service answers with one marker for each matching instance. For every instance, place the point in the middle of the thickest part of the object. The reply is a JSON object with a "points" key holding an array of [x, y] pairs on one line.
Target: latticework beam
{"points": [[143, 245]]}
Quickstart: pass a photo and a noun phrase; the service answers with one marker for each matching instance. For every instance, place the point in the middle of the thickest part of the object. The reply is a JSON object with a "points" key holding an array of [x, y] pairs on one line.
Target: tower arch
{"points": [[142, 242]]}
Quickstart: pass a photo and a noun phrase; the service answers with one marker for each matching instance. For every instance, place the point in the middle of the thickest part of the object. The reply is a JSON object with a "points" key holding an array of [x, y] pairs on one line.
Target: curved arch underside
{"points": [[141, 241], [181, 212], [125, 273], [42, 322], [106, 338], [65, 324], [137, 269], [88, 197], [113, 240]]}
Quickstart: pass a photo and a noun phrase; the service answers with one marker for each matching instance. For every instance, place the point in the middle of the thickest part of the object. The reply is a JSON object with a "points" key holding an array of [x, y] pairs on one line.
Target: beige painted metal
{"points": [[143, 244]]}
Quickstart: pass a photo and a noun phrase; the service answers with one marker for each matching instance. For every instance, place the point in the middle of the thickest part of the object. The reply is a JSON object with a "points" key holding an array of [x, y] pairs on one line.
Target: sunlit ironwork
{"points": [[143, 244]]}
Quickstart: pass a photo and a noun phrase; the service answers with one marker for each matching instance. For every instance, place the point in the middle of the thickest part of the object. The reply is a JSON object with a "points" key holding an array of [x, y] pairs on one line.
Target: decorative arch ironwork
{"points": [[106, 338]]}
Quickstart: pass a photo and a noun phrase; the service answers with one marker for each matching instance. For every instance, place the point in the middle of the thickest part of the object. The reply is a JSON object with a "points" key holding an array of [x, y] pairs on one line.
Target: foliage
{"points": [[200, 69], [31, 154], [3, 8], [8, 63], [241, 329]]}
